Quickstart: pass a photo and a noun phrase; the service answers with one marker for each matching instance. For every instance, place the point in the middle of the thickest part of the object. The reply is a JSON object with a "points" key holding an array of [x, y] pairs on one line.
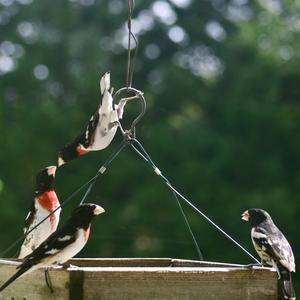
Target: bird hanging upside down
{"points": [[61, 245], [100, 129], [45, 202], [272, 247]]}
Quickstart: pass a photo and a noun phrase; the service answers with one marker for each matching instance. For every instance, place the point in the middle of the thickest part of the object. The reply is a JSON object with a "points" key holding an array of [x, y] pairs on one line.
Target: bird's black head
{"points": [[67, 153], [71, 151], [45, 179], [256, 216], [83, 214]]}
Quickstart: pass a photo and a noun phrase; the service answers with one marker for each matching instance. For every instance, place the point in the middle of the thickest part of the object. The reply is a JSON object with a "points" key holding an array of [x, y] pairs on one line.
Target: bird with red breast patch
{"points": [[45, 202], [272, 247], [100, 129], [61, 245]]}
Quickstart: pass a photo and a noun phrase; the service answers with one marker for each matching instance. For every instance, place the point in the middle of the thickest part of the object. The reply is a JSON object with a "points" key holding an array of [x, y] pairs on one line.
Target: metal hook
{"points": [[129, 134]]}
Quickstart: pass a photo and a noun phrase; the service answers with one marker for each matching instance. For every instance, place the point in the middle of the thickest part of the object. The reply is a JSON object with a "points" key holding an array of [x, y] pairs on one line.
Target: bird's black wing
{"points": [[89, 134], [282, 251], [69, 151], [57, 241], [53, 244], [30, 217], [273, 243]]}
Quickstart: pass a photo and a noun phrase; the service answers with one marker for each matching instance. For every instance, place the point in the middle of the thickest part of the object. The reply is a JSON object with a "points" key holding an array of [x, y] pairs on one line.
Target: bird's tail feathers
{"points": [[19, 273], [287, 286]]}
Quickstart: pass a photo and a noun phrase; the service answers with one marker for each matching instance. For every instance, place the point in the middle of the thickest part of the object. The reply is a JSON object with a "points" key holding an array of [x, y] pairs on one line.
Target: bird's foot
{"points": [[66, 266], [48, 280], [73, 266], [113, 124]]}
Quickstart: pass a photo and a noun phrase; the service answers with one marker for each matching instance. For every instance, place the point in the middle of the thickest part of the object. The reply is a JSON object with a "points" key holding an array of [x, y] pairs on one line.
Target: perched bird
{"points": [[272, 247], [45, 202], [100, 129], [61, 245]]}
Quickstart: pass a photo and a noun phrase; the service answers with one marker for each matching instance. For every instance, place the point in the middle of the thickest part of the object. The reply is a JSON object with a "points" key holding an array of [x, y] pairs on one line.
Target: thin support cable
{"points": [[200, 255], [102, 170], [130, 61], [87, 192], [147, 158], [89, 183], [210, 221]]}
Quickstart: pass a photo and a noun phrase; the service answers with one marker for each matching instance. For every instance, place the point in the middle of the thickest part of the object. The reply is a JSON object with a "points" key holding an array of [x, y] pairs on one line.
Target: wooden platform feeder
{"points": [[145, 279]]}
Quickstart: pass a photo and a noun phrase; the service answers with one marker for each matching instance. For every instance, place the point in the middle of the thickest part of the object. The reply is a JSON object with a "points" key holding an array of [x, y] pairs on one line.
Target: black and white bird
{"points": [[272, 247], [45, 202], [61, 245], [100, 129]]}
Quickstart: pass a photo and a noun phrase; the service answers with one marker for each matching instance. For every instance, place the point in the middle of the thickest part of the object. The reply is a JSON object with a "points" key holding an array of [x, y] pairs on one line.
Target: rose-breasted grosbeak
{"points": [[61, 245], [100, 129], [272, 247], [45, 202]]}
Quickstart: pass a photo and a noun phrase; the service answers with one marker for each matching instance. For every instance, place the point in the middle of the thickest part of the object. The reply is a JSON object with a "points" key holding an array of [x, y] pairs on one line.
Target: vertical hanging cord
{"points": [[129, 77], [130, 61], [128, 83]]}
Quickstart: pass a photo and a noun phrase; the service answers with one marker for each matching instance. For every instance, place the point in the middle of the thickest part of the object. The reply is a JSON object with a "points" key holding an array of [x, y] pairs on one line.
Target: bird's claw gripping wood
{"points": [[67, 266], [48, 280]]}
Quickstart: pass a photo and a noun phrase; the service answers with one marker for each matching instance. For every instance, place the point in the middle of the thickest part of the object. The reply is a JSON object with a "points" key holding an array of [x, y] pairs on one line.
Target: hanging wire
{"points": [[143, 153], [89, 183], [199, 252], [103, 169], [130, 61], [129, 136], [200, 255], [129, 77]]}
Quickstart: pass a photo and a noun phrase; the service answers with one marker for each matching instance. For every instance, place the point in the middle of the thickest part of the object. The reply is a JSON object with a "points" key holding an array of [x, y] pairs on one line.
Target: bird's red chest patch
{"points": [[49, 201], [86, 233], [81, 151]]}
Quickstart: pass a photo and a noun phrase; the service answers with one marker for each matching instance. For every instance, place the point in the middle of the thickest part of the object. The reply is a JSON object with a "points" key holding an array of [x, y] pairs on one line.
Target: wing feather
{"points": [[275, 245]]}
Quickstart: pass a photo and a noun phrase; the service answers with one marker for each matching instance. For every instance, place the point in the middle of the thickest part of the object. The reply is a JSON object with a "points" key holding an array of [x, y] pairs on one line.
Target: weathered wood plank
{"points": [[155, 279], [33, 286], [122, 262], [179, 283]]}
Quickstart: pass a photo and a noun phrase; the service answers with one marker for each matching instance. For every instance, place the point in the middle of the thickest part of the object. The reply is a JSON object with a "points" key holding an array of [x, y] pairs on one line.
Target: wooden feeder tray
{"points": [[143, 278]]}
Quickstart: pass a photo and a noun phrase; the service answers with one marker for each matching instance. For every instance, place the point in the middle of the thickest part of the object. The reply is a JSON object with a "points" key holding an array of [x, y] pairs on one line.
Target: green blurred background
{"points": [[222, 83]]}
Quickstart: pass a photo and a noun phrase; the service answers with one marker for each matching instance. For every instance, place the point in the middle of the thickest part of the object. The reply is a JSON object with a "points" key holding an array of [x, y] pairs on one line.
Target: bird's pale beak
{"points": [[245, 216], [51, 170], [60, 161], [98, 210]]}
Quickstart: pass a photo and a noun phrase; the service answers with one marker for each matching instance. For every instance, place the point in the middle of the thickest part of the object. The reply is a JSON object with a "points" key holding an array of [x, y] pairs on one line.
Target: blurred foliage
{"points": [[221, 79]]}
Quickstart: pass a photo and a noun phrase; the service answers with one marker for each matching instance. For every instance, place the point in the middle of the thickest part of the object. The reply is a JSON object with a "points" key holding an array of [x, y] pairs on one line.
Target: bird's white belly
{"points": [[40, 233], [101, 141]]}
